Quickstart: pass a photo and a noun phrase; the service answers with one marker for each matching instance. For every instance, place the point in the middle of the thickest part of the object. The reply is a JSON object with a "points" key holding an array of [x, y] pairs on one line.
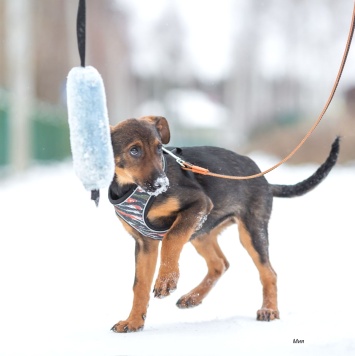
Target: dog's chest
{"points": [[133, 209]]}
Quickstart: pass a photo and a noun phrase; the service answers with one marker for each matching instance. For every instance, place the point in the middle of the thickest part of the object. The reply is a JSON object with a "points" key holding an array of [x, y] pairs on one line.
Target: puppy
{"points": [[157, 201]]}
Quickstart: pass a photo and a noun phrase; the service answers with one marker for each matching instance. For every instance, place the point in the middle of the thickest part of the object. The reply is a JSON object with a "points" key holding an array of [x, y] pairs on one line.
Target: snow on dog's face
{"points": [[137, 147]]}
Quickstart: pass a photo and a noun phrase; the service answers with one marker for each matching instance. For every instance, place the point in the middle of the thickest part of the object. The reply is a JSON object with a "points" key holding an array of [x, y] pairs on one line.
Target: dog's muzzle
{"points": [[160, 185]]}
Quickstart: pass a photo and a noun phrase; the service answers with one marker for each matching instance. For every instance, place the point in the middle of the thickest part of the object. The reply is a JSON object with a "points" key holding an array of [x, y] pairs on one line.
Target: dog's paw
{"points": [[189, 300], [265, 314], [165, 285], [128, 326]]}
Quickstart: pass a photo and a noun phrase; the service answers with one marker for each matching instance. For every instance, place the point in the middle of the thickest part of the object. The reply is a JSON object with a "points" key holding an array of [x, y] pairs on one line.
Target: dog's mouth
{"points": [[160, 185]]}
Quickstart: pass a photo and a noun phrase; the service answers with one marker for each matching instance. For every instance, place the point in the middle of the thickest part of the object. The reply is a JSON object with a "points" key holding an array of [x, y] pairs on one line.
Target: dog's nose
{"points": [[157, 184], [160, 185]]}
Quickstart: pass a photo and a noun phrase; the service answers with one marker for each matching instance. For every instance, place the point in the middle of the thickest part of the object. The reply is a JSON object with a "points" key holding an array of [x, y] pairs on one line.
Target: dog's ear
{"points": [[161, 123], [162, 126]]}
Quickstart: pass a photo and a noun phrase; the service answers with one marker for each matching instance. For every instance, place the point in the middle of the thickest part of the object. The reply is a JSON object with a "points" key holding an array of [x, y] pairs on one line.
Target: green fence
{"points": [[49, 134], [4, 144]]}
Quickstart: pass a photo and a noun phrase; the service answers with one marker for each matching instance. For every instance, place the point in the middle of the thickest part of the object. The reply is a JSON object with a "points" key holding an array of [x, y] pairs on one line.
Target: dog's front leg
{"points": [[187, 222], [146, 259]]}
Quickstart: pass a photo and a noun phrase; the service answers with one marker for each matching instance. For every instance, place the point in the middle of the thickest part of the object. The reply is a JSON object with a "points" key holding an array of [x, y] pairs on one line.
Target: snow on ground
{"points": [[66, 275]]}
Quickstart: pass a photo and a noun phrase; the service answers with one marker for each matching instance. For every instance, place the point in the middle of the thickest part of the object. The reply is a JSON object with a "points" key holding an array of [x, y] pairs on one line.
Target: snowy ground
{"points": [[66, 275]]}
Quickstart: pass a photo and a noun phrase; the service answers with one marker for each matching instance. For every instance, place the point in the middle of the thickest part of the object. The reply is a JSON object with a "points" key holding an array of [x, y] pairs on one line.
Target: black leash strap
{"points": [[81, 30]]}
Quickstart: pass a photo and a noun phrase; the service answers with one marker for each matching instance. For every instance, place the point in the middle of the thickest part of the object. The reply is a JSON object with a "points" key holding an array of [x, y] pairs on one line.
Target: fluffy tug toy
{"points": [[90, 138]]}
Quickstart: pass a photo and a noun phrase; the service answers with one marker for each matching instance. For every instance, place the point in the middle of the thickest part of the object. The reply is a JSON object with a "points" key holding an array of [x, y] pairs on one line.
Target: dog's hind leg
{"points": [[207, 246], [255, 240]]}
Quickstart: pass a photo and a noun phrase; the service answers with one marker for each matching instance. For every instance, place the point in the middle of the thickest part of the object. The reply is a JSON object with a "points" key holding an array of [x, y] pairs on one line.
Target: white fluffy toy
{"points": [[90, 138]]}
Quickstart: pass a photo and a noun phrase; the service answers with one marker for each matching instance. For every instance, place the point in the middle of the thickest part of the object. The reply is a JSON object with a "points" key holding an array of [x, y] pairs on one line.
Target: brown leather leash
{"points": [[200, 170]]}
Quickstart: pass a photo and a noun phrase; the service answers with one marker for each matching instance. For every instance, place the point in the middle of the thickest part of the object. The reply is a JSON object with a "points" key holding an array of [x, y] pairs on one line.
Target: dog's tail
{"points": [[289, 191]]}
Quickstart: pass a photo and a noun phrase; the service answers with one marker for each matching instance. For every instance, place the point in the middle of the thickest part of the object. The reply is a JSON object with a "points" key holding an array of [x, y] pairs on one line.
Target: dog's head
{"points": [[137, 147]]}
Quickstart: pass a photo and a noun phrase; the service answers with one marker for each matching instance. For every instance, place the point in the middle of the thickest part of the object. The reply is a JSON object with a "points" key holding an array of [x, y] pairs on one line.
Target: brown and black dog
{"points": [[183, 207]]}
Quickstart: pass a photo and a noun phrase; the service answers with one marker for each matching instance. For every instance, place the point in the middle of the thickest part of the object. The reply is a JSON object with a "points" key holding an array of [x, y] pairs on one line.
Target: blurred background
{"points": [[249, 75]]}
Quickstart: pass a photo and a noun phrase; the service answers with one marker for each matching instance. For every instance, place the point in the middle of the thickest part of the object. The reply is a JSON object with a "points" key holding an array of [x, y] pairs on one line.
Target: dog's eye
{"points": [[159, 148], [135, 151]]}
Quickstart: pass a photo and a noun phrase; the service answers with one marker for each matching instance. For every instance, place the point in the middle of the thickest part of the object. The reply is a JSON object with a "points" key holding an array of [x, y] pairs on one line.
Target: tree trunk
{"points": [[19, 71]]}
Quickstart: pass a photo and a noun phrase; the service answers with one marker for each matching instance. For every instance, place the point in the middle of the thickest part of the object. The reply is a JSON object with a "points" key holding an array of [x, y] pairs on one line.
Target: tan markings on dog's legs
{"points": [[146, 260], [268, 278], [169, 274], [207, 246], [180, 232], [185, 224]]}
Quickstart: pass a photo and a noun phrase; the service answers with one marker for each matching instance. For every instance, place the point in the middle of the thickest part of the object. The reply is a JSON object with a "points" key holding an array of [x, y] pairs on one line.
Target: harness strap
{"points": [[200, 170], [133, 208]]}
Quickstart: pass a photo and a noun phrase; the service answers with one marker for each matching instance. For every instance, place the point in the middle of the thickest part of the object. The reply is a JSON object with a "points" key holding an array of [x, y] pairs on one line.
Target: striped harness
{"points": [[133, 208]]}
